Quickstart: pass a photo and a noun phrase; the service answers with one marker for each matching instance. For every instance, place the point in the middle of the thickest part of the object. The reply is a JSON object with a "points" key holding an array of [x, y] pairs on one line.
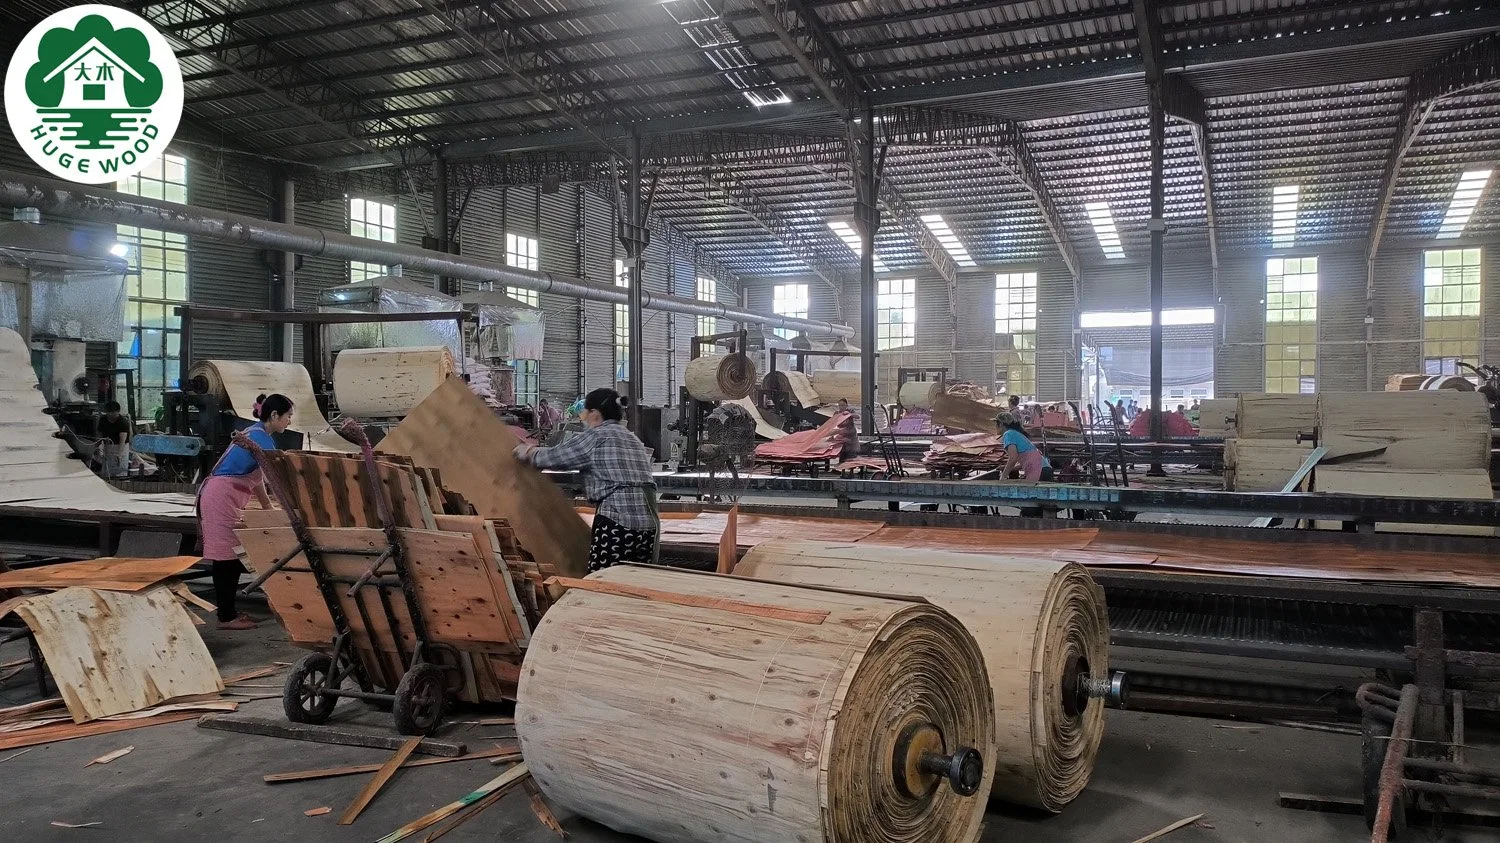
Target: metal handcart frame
{"points": [[419, 695]]}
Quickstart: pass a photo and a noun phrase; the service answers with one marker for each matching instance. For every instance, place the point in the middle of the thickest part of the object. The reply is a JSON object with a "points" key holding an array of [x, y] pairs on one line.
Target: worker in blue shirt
{"points": [[224, 494]]}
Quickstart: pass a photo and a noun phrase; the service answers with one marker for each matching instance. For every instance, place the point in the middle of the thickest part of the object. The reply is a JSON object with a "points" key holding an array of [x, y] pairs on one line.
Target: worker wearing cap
{"points": [[1020, 454]]}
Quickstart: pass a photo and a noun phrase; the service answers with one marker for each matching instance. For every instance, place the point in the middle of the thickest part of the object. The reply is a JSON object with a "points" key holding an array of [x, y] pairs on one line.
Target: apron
{"points": [[648, 491], [221, 499]]}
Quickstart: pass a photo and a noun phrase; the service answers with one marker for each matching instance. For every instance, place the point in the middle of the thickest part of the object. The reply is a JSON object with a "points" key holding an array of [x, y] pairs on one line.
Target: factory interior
{"points": [[877, 421]]}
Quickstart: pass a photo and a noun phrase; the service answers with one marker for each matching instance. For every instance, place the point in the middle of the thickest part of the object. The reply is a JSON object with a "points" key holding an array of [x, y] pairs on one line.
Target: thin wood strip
{"points": [[474, 811], [378, 782], [808, 616], [505, 781], [498, 753], [69, 731]]}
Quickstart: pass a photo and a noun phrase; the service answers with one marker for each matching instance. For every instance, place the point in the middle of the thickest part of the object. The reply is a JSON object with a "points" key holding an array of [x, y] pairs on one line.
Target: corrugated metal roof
{"points": [[1298, 91]]}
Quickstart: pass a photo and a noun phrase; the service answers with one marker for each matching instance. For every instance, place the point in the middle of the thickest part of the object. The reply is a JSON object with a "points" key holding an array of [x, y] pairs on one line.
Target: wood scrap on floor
{"points": [[317, 812], [14, 755], [267, 727], [378, 782], [108, 573], [69, 731], [111, 756], [61, 824], [1165, 830], [114, 652], [542, 810], [504, 782], [496, 755]]}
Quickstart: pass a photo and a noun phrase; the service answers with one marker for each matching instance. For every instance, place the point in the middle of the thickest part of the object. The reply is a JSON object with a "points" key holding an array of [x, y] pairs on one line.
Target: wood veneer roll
{"points": [[388, 382], [919, 394], [795, 384], [833, 384], [237, 383], [691, 723], [1038, 620], [720, 377]]}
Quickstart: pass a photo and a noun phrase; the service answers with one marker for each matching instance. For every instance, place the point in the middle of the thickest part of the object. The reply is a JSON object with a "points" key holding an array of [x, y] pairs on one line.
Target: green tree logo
{"points": [[94, 93]]}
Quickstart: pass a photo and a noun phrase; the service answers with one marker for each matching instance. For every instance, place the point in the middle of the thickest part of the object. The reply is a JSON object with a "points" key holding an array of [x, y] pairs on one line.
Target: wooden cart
{"points": [[381, 571]]}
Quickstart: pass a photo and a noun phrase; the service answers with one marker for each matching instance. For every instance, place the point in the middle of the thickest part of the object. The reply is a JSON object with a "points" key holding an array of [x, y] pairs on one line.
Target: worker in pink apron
{"points": [[1020, 453], [222, 497]]}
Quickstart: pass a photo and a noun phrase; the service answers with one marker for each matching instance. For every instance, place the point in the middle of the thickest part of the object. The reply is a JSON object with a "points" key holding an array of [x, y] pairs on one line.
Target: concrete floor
{"points": [[182, 783]]}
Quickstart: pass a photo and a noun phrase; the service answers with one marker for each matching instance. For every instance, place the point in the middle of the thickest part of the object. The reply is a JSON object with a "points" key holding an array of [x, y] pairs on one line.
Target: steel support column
{"points": [[635, 236], [440, 217], [867, 219], [287, 261], [1158, 224]]}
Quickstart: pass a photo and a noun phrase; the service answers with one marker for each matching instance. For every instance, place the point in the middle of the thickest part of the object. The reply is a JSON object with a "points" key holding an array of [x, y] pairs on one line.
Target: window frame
{"points": [[149, 318], [793, 300], [1291, 341], [382, 229], [890, 302], [1452, 324], [708, 290], [523, 252]]}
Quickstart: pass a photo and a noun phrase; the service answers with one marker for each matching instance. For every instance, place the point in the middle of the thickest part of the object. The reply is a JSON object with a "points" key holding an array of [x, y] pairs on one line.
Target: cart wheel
{"points": [[1372, 757], [420, 700], [302, 697]]}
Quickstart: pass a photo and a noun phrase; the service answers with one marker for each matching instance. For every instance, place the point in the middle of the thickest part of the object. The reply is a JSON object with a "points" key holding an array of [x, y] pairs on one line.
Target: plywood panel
{"points": [[110, 652], [455, 433]]}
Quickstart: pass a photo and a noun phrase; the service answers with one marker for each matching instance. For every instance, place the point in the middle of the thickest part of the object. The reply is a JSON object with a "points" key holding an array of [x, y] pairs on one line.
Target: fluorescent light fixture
{"points": [[1465, 199], [1104, 228], [1142, 318], [846, 233], [939, 228], [1284, 200], [119, 250]]}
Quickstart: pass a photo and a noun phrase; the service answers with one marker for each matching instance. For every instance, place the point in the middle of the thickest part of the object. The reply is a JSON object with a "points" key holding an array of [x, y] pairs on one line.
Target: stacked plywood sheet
{"points": [[958, 413], [965, 452], [36, 469], [1261, 465], [1420, 443]]}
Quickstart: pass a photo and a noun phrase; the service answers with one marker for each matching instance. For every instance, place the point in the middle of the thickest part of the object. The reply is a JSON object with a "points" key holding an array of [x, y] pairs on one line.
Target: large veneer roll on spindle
{"points": [[1040, 622], [720, 377], [685, 707]]}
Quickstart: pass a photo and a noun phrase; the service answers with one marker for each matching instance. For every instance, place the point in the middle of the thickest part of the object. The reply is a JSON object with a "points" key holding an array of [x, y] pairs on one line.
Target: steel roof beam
{"points": [[347, 118], [518, 53], [1179, 98], [801, 33], [732, 193], [1019, 163], [1474, 65]]}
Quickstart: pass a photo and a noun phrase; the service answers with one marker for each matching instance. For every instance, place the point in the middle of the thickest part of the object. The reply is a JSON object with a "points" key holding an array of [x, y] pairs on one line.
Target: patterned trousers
{"points": [[612, 544]]}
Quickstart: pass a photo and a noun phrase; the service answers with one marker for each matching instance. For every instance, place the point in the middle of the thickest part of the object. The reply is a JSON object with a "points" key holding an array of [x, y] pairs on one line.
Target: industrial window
{"points": [[790, 300], [1450, 309], [1015, 317], [622, 327], [1292, 325], [377, 221], [152, 346], [528, 382], [896, 313], [522, 253], [708, 290]]}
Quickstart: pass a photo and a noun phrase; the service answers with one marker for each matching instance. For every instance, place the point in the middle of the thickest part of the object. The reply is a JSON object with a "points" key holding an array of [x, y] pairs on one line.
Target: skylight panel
{"points": [[720, 44], [939, 228], [1465, 199], [846, 233], [1104, 229], [1284, 201]]}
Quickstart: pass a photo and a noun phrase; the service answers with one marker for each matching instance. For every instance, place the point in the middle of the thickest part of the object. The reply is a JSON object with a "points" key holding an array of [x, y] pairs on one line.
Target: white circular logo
{"points": [[93, 94]]}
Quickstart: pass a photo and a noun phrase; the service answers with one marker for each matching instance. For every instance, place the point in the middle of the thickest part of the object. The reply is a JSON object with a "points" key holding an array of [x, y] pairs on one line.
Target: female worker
{"points": [[224, 494], [616, 471], [1019, 452]]}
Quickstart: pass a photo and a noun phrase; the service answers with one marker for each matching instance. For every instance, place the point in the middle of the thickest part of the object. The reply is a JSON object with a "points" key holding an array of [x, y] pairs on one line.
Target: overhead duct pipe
{"points": [[87, 202]]}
